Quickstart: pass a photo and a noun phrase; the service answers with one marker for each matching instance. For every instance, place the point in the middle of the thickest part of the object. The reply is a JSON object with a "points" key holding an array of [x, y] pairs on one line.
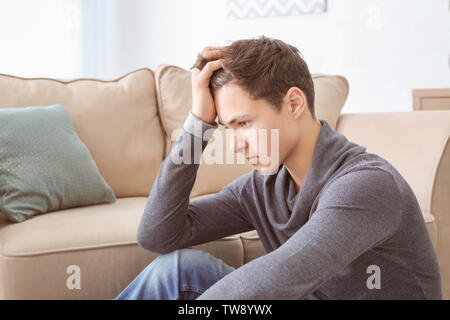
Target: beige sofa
{"points": [[128, 125]]}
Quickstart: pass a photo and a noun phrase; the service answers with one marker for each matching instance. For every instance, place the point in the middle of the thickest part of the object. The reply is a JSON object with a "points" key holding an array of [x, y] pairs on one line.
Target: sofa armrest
{"points": [[417, 144]]}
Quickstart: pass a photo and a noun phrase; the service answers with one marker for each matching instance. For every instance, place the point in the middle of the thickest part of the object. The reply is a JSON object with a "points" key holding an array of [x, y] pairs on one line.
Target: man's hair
{"points": [[264, 67]]}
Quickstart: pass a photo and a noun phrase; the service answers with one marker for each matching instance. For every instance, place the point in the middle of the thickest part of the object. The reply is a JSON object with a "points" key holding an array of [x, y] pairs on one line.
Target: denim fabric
{"points": [[182, 274]]}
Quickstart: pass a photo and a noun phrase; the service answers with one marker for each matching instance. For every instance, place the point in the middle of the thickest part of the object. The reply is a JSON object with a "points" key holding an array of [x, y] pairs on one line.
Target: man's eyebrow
{"points": [[237, 118]]}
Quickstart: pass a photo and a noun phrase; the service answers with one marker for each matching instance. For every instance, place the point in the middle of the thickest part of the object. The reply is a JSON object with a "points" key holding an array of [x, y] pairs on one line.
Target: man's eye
{"points": [[244, 123]]}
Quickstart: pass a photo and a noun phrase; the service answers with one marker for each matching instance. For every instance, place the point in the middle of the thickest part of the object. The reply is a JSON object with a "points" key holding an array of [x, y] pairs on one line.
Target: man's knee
{"points": [[192, 267], [189, 260], [185, 258]]}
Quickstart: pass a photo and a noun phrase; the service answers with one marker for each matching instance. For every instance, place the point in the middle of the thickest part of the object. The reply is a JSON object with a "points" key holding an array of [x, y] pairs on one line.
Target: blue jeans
{"points": [[182, 274]]}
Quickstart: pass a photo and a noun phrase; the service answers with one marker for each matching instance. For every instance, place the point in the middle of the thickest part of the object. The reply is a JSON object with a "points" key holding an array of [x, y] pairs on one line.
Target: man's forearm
{"points": [[164, 220]]}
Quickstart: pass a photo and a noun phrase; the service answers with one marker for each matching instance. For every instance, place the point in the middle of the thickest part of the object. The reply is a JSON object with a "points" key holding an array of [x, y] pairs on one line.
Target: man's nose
{"points": [[239, 144]]}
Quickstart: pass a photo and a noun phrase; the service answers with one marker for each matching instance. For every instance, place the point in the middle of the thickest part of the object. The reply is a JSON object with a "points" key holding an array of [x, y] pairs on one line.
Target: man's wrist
{"points": [[200, 119], [198, 127]]}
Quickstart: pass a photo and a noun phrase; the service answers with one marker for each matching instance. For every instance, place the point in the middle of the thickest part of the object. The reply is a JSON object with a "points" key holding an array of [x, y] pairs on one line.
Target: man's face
{"points": [[261, 133]]}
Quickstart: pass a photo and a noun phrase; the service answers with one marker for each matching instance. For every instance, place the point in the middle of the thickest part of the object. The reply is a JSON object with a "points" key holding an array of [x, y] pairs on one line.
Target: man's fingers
{"points": [[195, 71], [212, 53], [207, 49], [209, 69]]}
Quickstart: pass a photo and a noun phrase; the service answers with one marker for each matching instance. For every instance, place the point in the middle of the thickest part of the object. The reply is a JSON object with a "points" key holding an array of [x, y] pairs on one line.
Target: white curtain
{"points": [[94, 37]]}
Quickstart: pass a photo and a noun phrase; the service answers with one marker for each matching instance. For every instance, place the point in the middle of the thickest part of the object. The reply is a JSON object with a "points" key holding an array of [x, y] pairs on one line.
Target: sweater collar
{"points": [[332, 150]]}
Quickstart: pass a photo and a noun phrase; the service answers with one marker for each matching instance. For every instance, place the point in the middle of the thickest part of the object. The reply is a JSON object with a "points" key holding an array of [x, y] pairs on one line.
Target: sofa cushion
{"points": [[174, 94], [81, 228], [43, 164], [331, 92], [116, 119], [101, 241]]}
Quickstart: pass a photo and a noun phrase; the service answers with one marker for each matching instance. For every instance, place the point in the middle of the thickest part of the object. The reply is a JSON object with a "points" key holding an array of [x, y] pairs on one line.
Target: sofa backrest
{"points": [[116, 119], [174, 96], [129, 123]]}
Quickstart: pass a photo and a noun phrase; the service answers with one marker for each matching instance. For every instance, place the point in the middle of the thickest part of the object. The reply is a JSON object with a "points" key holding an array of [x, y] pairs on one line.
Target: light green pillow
{"points": [[44, 166]]}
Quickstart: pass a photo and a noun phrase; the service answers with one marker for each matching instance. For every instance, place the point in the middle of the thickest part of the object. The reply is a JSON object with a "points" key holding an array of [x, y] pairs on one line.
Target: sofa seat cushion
{"points": [[430, 221], [77, 228], [99, 239]]}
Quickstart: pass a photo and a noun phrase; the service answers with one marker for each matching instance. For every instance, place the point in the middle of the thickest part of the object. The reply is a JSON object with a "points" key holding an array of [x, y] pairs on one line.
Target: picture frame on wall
{"points": [[250, 9]]}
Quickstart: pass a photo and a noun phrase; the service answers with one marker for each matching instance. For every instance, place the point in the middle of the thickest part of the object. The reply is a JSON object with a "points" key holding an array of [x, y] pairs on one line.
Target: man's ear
{"points": [[295, 101]]}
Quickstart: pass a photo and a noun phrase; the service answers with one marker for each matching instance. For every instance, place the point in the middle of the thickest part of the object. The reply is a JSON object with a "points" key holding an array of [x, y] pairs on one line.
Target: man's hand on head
{"points": [[212, 53], [202, 101]]}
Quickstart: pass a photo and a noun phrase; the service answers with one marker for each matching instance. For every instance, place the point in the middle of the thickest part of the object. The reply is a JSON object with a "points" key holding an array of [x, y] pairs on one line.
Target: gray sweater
{"points": [[354, 231]]}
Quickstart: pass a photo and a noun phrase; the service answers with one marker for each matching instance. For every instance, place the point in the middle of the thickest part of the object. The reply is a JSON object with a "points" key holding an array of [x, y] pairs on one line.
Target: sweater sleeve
{"points": [[355, 213], [170, 220]]}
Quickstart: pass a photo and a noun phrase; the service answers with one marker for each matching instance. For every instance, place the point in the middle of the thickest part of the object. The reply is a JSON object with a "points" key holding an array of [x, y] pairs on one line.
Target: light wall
{"points": [[384, 48], [41, 38]]}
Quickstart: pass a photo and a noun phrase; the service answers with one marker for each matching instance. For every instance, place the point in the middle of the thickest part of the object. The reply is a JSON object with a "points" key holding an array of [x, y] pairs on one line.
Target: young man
{"points": [[336, 222]]}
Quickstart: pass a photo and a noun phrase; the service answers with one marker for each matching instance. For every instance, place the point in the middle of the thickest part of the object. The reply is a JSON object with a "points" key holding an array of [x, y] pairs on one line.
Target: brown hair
{"points": [[264, 67]]}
